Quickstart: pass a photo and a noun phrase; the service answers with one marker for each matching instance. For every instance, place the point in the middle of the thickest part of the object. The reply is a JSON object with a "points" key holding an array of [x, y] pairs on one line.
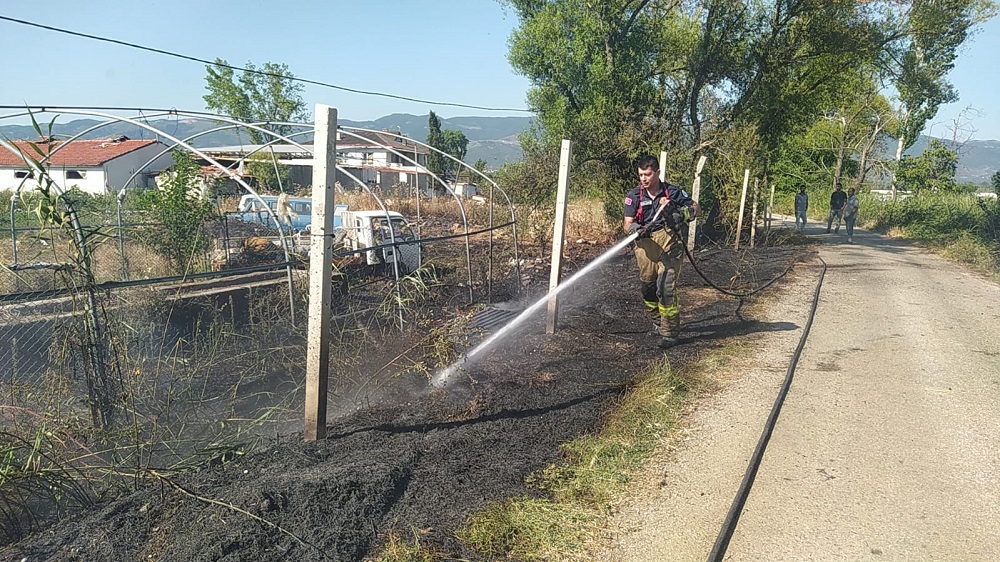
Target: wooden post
{"points": [[753, 211], [558, 235], [770, 211], [663, 165], [320, 272], [695, 193], [743, 201]]}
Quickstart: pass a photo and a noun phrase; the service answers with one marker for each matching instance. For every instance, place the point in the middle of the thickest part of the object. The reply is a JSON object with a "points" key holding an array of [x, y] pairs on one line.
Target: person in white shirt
{"points": [[851, 209]]}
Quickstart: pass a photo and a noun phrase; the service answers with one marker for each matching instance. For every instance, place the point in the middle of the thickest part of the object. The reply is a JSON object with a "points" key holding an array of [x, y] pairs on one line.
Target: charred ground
{"points": [[413, 459]]}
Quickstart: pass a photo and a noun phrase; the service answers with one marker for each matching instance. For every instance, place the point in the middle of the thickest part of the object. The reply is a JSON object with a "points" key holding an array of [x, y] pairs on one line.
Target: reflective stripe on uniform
{"points": [[652, 305], [669, 311]]}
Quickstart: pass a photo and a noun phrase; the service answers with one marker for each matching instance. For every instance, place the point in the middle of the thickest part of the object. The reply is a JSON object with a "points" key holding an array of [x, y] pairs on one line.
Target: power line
{"points": [[253, 71]]}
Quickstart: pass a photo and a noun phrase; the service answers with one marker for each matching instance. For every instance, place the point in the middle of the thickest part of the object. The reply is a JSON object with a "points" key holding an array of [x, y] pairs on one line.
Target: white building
{"points": [[386, 159], [94, 166]]}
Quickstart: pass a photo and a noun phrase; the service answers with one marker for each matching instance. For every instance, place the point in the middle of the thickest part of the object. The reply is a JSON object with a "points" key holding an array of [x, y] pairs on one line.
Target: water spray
{"points": [[440, 380]]}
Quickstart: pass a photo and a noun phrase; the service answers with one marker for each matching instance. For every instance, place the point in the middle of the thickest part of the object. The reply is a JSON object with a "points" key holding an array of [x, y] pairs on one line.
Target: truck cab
{"points": [[370, 229]]}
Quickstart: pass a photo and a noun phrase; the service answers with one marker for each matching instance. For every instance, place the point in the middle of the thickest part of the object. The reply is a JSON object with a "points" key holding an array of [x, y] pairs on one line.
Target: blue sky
{"points": [[441, 50]]}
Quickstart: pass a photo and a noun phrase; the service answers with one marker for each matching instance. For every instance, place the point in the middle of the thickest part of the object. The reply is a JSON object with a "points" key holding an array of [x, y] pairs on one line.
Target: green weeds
{"points": [[595, 471]]}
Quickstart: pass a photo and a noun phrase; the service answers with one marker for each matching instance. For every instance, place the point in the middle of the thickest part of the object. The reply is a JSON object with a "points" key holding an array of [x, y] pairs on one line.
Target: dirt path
{"points": [[888, 445]]}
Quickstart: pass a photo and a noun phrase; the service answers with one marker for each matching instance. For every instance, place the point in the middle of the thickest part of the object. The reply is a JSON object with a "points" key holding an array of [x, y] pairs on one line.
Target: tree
{"points": [[436, 162], [178, 212], [265, 95], [995, 180], [621, 77], [931, 34], [933, 170], [453, 143]]}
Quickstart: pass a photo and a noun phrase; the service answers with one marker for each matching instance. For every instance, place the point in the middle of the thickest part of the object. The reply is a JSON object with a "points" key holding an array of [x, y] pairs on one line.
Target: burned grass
{"points": [[410, 465]]}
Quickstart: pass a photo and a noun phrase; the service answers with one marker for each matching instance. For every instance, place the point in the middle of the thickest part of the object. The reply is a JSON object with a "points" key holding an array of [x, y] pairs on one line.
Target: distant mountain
{"points": [[493, 139], [978, 160]]}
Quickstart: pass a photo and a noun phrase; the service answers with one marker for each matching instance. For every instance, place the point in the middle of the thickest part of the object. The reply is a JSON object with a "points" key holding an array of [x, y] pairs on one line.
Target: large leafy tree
{"points": [[453, 143], [268, 94], [933, 170], [436, 162], [729, 77]]}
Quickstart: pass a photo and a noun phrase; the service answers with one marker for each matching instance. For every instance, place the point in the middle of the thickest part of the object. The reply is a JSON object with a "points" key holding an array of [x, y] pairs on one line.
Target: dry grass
{"points": [[595, 471]]}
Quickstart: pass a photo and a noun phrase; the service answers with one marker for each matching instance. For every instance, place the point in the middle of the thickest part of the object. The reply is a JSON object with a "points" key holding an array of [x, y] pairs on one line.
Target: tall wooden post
{"points": [[753, 211], [559, 235], [695, 193], [320, 272], [663, 166], [770, 211], [743, 201]]}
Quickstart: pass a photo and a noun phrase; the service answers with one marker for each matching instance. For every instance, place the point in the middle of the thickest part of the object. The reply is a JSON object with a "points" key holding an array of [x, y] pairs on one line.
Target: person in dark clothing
{"points": [[837, 200], [801, 208], [658, 248]]}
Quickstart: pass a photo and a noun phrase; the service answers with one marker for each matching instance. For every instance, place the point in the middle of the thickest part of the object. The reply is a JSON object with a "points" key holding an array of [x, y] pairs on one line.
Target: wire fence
{"points": [[227, 322]]}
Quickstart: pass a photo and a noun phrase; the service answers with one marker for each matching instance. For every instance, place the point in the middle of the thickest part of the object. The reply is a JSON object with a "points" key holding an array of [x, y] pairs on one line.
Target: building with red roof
{"points": [[93, 166]]}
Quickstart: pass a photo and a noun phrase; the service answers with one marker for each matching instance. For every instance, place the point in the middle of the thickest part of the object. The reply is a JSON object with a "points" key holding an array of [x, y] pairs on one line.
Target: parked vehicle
{"points": [[294, 216], [364, 229], [353, 230]]}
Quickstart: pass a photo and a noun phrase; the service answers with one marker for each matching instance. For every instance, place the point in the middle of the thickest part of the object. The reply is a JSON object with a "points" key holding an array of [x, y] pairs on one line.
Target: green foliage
{"points": [[929, 38], [995, 181], [436, 162], [271, 176], [620, 78], [933, 170], [448, 141], [455, 144], [264, 95], [929, 216], [179, 213]]}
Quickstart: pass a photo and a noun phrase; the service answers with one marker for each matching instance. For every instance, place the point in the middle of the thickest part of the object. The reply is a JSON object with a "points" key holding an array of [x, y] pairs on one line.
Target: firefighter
{"points": [[659, 248]]}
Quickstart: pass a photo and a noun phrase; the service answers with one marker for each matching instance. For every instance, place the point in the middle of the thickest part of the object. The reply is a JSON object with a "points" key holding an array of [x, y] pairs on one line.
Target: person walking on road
{"points": [[659, 248], [837, 200], [851, 209], [801, 206]]}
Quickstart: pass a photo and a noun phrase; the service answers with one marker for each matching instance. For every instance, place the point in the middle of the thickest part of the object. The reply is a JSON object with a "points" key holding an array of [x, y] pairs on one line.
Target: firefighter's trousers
{"points": [[659, 258]]}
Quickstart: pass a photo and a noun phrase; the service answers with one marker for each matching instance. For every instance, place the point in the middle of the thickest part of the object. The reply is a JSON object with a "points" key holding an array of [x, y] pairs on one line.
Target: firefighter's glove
{"points": [[681, 216], [635, 227]]}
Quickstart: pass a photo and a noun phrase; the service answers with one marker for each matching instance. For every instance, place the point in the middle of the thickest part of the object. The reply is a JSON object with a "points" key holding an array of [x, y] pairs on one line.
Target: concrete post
{"points": [[320, 272], [695, 194], [743, 201], [559, 235]]}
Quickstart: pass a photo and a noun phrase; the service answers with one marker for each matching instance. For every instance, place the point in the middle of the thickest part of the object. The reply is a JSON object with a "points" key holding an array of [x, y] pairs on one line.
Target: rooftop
{"points": [[78, 153]]}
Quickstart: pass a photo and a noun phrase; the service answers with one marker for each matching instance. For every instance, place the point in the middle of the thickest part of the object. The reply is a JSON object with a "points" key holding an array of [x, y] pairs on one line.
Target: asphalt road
{"points": [[888, 445]]}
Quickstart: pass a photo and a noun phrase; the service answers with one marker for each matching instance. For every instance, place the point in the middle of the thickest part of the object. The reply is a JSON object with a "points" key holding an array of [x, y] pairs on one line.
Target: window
{"points": [[76, 174], [21, 174]]}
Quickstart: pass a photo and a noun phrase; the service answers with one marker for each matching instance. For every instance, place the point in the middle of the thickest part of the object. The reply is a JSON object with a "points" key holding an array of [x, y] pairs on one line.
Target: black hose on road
{"points": [[732, 518]]}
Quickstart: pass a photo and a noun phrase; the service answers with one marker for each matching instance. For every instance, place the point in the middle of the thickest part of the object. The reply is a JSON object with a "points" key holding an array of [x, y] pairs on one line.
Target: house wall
{"points": [[108, 178], [92, 180], [120, 169]]}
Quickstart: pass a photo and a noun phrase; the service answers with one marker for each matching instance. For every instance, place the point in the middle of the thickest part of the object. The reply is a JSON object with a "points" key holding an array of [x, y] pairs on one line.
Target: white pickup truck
{"points": [[366, 229]]}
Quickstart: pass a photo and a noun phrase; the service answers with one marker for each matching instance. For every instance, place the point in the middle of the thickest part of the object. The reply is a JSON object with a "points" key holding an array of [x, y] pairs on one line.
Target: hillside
{"points": [[977, 159], [493, 139]]}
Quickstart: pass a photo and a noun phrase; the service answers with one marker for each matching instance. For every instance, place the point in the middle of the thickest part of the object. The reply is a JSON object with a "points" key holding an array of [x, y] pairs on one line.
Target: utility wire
{"points": [[253, 71]]}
